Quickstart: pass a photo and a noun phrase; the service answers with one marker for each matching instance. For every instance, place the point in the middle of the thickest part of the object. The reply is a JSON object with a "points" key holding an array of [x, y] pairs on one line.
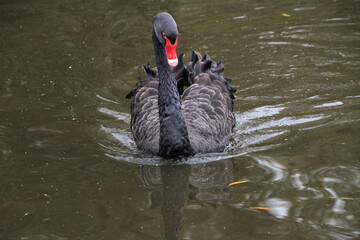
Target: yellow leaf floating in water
{"points": [[286, 15], [261, 208], [250, 166], [238, 182]]}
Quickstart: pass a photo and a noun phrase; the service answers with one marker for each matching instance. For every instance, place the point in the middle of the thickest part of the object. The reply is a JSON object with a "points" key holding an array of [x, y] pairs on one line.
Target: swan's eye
{"points": [[164, 35]]}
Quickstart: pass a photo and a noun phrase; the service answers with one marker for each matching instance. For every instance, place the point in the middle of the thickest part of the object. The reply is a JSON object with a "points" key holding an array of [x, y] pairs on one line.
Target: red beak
{"points": [[171, 53]]}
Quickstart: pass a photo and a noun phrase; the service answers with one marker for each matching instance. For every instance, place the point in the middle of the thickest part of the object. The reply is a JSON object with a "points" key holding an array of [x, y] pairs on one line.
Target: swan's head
{"points": [[166, 31]]}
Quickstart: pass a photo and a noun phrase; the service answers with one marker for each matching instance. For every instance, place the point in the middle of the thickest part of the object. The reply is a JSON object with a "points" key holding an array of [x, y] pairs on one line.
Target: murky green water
{"points": [[69, 168]]}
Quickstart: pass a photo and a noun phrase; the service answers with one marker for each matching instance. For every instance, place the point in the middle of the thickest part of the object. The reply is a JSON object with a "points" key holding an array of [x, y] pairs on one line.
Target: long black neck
{"points": [[174, 138]]}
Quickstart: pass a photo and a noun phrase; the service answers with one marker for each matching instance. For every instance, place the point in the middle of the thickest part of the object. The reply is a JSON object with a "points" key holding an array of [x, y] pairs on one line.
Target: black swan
{"points": [[169, 120]]}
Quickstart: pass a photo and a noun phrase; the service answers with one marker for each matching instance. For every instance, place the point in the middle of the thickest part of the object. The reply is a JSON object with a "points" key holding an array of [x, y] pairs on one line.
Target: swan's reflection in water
{"points": [[171, 186]]}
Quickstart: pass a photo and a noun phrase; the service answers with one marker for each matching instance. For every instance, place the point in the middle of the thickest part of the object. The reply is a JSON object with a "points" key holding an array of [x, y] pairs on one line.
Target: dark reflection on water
{"points": [[171, 186], [69, 168]]}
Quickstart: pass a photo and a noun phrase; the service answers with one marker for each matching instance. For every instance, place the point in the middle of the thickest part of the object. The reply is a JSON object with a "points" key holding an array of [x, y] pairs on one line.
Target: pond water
{"points": [[69, 168]]}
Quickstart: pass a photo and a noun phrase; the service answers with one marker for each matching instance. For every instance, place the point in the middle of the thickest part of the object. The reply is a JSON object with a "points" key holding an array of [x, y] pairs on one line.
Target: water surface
{"points": [[69, 168]]}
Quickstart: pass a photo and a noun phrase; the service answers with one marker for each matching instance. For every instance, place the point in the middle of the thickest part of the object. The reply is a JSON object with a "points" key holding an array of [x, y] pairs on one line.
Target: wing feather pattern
{"points": [[145, 125], [206, 103]]}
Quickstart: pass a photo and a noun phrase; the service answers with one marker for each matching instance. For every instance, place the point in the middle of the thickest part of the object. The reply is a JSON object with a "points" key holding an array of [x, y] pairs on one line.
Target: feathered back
{"points": [[206, 103]]}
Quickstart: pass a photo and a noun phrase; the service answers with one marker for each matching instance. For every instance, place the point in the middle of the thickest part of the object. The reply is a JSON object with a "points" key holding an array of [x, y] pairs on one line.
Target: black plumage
{"points": [[182, 110]]}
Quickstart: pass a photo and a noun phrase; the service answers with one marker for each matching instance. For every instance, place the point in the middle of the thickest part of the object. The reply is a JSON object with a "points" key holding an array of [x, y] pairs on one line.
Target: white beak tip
{"points": [[173, 62]]}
